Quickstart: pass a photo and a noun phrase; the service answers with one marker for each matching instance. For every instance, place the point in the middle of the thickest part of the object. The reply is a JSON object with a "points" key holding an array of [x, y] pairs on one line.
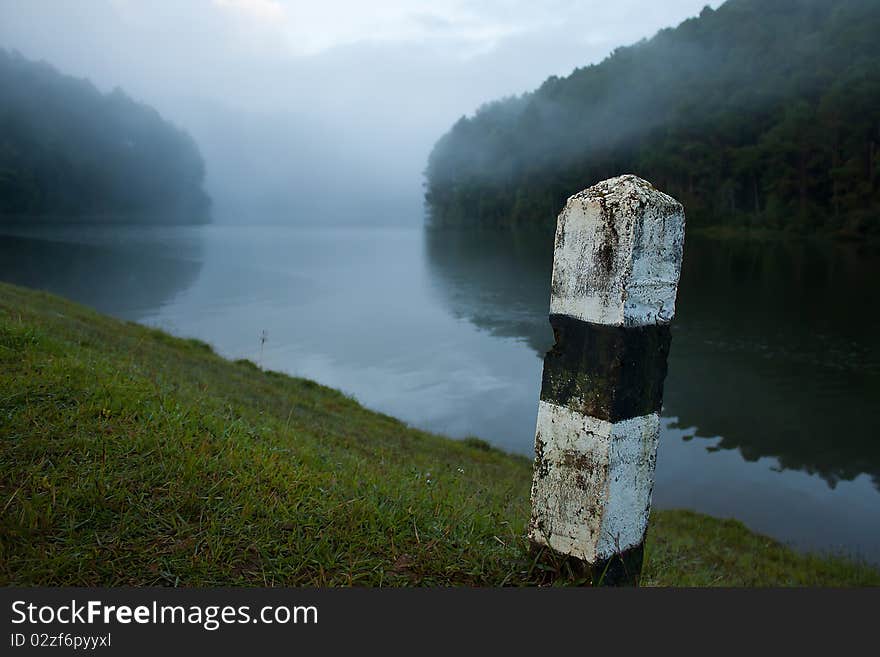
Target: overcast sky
{"points": [[296, 102]]}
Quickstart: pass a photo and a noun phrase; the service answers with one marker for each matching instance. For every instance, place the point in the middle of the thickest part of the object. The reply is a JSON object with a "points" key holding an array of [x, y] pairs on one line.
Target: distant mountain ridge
{"points": [[758, 114], [68, 150]]}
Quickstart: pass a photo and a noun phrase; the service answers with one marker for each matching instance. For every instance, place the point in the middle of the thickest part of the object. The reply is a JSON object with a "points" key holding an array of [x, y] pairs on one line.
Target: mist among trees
{"points": [[758, 114], [68, 150]]}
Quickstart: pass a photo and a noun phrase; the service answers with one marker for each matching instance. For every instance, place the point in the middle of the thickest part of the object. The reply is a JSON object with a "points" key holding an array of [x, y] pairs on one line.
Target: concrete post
{"points": [[616, 266]]}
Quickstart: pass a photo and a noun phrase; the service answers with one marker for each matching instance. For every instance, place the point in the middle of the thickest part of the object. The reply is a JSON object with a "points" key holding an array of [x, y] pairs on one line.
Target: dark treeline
{"points": [[67, 150], [759, 114]]}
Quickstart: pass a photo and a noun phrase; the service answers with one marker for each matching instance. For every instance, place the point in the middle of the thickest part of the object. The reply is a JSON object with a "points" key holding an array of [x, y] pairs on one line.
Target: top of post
{"points": [[618, 254]]}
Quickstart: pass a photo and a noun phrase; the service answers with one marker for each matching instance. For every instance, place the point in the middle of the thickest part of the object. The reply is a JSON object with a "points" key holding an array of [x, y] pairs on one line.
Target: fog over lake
{"points": [[306, 111]]}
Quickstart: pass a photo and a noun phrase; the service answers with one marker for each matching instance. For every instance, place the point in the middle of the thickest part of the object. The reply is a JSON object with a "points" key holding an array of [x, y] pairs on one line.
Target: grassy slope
{"points": [[129, 457]]}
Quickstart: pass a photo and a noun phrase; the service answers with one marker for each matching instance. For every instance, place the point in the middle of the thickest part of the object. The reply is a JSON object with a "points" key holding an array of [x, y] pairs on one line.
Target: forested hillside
{"points": [[67, 150], [757, 114]]}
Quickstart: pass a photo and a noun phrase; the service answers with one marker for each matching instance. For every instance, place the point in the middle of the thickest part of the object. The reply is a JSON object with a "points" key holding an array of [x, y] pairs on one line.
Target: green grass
{"points": [[131, 457]]}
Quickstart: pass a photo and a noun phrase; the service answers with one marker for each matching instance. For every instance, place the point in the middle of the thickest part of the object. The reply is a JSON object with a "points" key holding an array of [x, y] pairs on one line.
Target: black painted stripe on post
{"points": [[607, 372]]}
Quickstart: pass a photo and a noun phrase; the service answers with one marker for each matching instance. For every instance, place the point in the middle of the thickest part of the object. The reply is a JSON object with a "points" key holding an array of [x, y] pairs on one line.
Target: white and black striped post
{"points": [[616, 266]]}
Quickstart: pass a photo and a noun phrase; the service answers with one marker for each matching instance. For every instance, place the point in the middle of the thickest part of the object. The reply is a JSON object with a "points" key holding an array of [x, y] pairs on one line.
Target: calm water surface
{"points": [[774, 378]]}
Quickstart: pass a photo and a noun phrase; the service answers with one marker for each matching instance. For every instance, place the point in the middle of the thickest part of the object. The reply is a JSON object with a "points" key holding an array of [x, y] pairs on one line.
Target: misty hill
{"points": [[67, 150], [760, 114]]}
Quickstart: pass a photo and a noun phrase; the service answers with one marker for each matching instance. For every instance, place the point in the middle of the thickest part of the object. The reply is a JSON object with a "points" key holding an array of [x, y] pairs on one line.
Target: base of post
{"points": [[624, 569]]}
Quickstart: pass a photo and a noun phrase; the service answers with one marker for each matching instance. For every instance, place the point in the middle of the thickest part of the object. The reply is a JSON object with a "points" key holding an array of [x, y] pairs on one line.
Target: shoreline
{"points": [[134, 457]]}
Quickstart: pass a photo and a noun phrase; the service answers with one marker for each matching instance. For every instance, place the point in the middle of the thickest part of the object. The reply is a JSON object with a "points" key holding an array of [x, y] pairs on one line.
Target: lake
{"points": [[774, 375]]}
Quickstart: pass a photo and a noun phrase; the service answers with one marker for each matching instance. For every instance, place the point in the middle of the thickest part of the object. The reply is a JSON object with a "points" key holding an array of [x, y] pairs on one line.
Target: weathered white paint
{"points": [[618, 254], [591, 495]]}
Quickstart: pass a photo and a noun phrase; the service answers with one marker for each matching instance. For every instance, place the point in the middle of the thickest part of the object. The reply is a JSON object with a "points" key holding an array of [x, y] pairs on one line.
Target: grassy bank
{"points": [[129, 457]]}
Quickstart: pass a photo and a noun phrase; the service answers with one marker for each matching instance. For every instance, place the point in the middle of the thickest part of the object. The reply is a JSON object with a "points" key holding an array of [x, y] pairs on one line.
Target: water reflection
{"points": [[498, 281], [88, 265], [774, 351]]}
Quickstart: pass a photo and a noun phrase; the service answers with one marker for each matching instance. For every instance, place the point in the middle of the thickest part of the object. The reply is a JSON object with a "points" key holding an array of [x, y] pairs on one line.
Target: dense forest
{"points": [[67, 150], [757, 114]]}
